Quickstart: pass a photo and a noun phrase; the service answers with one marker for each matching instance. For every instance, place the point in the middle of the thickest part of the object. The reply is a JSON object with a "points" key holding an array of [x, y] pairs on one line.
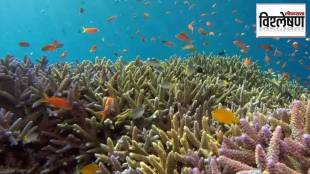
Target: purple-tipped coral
{"points": [[274, 146], [279, 151], [297, 120], [260, 157], [235, 166]]}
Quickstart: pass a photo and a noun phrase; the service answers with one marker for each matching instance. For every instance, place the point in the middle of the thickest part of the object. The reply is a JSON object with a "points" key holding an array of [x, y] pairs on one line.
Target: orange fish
{"points": [[167, 43], [202, 31], [188, 47], [266, 47], [57, 102], [23, 44], [190, 26], [52, 47], [225, 116], [64, 54], [286, 76], [183, 37], [247, 62], [241, 45], [109, 103], [93, 48], [90, 169], [90, 30]]}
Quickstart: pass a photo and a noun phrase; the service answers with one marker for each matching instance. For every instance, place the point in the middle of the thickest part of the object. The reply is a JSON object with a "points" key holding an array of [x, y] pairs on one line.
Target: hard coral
{"points": [[159, 123]]}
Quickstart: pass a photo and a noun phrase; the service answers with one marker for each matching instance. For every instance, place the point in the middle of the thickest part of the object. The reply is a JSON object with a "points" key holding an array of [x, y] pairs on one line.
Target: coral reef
{"points": [[280, 146], [159, 121]]}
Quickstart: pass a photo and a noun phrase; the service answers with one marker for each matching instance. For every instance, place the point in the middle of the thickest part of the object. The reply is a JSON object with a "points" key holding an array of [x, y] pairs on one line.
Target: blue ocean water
{"points": [[133, 35]]}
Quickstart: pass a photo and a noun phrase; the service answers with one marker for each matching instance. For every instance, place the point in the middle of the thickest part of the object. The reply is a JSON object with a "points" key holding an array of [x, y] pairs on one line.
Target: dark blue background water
{"points": [[40, 22]]}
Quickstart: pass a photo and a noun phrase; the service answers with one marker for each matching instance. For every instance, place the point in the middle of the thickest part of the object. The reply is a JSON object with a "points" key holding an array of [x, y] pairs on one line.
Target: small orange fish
{"points": [[286, 76], [202, 31], [103, 114], [90, 30], [183, 37], [52, 47], [89, 169], [247, 62], [266, 47], [64, 54], [224, 116], [23, 44], [57, 102], [49, 47], [188, 47], [167, 43], [93, 48], [108, 103], [190, 26], [240, 44]]}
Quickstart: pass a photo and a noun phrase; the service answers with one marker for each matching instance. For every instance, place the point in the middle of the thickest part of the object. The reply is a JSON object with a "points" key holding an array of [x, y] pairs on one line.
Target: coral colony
{"points": [[199, 115]]}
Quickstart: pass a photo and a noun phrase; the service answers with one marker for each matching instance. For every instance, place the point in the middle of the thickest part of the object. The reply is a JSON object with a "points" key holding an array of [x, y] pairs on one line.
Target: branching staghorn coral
{"points": [[160, 121], [17, 136], [157, 151], [280, 146]]}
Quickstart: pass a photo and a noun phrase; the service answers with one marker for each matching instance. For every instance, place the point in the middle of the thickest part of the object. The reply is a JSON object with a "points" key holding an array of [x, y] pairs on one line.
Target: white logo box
{"points": [[275, 9]]}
